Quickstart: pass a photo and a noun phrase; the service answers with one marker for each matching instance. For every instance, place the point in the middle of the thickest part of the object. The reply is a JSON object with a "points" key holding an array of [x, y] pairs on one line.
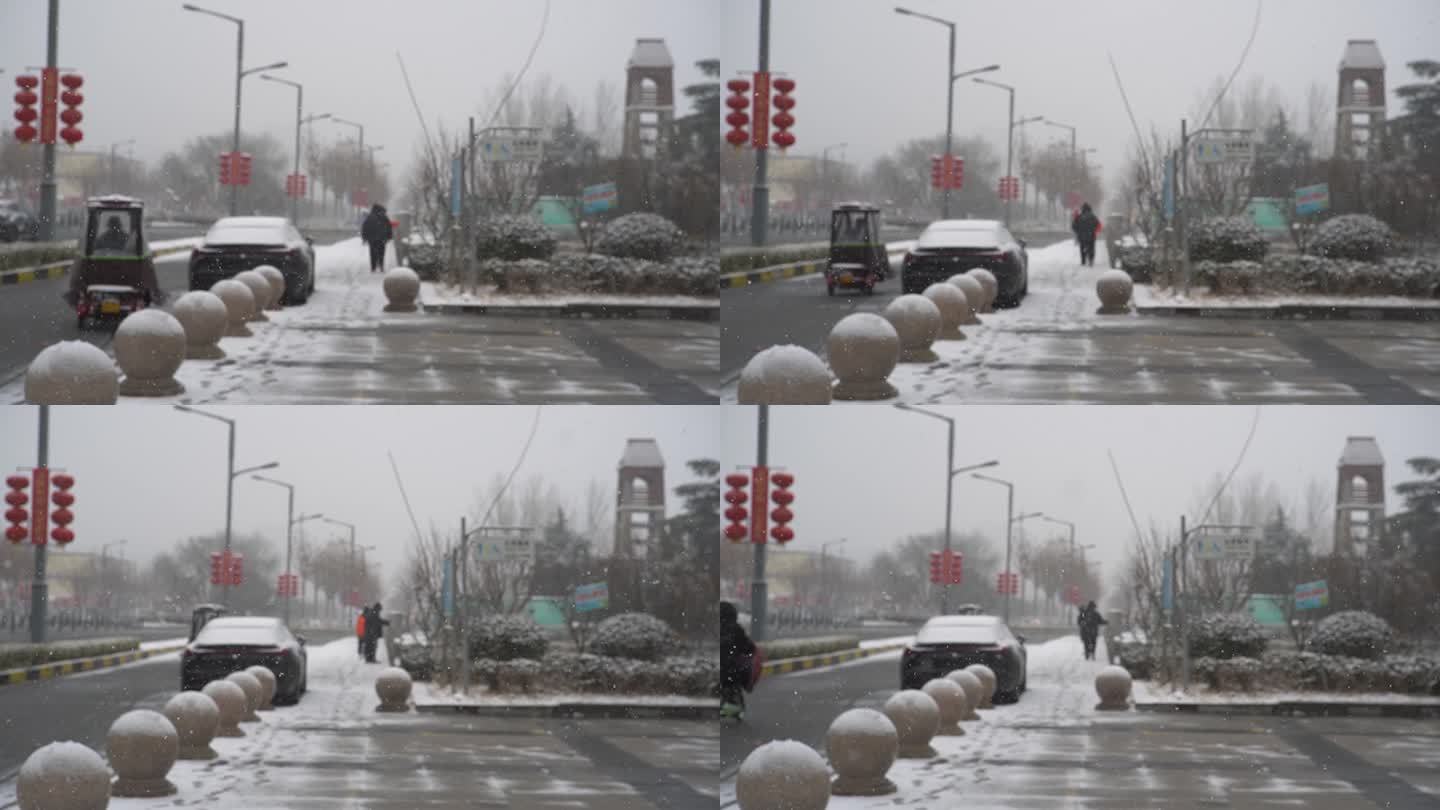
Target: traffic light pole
{"points": [[39, 589], [759, 592], [47, 200]]}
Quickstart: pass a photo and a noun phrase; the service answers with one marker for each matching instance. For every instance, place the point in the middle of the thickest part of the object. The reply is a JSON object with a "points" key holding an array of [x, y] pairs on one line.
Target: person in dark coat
{"points": [[1086, 225], [374, 629], [376, 232], [1090, 621], [737, 653]]}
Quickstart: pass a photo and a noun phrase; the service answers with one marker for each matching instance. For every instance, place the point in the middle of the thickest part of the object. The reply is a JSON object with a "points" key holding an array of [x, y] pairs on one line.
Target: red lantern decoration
{"points": [[26, 114], [784, 120], [16, 515], [72, 116], [738, 101], [782, 497], [62, 517], [736, 513]]}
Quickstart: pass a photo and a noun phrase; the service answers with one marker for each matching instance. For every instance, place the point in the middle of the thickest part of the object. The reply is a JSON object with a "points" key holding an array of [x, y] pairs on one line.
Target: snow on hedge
{"points": [[503, 638], [1352, 236], [1354, 633], [634, 635], [512, 238], [1411, 276], [596, 273], [1227, 239], [1227, 635], [641, 236]]}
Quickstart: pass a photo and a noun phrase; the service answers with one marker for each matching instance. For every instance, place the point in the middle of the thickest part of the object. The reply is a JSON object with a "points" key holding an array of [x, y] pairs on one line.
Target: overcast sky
{"points": [[163, 75], [876, 477], [154, 475], [872, 78]]}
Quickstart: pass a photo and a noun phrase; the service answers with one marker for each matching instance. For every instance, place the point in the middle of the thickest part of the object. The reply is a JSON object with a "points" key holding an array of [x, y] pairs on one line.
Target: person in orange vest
{"points": [[360, 633]]}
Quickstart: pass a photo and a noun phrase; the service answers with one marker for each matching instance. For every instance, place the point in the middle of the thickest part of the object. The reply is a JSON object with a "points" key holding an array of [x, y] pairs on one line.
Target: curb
{"points": [[61, 268], [1304, 707], [690, 312], [1316, 312], [61, 668], [611, 711], [776, 273], [787, 665]]}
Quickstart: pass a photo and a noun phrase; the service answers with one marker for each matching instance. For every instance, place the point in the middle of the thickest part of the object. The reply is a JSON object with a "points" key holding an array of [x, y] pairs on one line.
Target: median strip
{"points": [[787, 665], [45, 671], [62, 268]]}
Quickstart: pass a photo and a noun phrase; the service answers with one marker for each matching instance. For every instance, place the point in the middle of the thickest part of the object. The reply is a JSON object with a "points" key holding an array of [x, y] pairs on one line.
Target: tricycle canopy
{"points": [[113, 250]]}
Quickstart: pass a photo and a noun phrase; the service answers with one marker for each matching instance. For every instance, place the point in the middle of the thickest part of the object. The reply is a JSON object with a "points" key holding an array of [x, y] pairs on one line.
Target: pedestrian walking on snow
{"points": [[1086, 225], [376, 233], [1090, 621], [374, 629]]}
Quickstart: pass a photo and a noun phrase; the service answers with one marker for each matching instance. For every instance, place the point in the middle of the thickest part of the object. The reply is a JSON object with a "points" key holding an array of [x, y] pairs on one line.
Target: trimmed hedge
{"points": [[1353, 236], [1411, 277], [17, 656], [1235, 635], [586, 672], [504, 638], [803, 647], [22, 258], [741, 261], [641, 236], [606, 275], [1404, 674], [634, 635], [1227, 239], [513, 238], [1353, 633]]}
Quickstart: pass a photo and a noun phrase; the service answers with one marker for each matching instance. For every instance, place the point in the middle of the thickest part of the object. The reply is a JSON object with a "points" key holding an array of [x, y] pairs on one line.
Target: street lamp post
{"points": [[350, 559], [1070, 566], [240, 74], [1022, 122], [1050, 123], [104, 569], [299, 117], [823, 570], [231, 475], [310, 164], [950, 473], [1009, 525], [361, 151], [1009, 152], [289, 527], [825, 168], [113, 146]]}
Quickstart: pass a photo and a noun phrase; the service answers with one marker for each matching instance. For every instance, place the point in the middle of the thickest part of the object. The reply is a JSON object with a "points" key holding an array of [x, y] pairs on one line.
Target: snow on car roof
{"points": [[243, 621], [964, 224], [967, 621], [250, 222]]}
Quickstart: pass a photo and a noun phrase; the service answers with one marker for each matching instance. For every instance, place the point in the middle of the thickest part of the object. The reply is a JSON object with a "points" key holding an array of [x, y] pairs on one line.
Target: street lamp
{"points": [[950, 77], [231, 475], [1009, 525], [825, 167], [361, 151], [950, 474], [130, 142], [1050, 123], [289, 526], [240, 74], [1009, 141], [823, 548], [350, 560], [1069, 570], [299, 118], [104, 579]]}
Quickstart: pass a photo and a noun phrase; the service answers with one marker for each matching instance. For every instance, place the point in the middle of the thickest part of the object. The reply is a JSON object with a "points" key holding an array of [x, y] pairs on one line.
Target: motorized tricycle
{"points": [[114, 272], [857, 256]]}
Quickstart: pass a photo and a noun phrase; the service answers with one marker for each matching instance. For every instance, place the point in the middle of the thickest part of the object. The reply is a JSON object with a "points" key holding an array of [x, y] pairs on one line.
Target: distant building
{"points": [[1359, 497], [1360, 100], [639, 499]]}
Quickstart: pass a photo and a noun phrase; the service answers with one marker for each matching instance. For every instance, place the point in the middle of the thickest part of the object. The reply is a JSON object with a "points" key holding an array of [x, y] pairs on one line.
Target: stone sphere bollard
{"points": [[393, 686], [260, 288], [72, 372], [267, 683], [276, 280], [916, 719], [203, 315], [990, 285], [953, 703], [239, 306], [196, 718], [863, 350], [862, 745], [987, 678], [231, 701], [149, 348], [974, 689], [974, 293], [254, 693], [783, 775], [63, 776], [917, 321], [1112, 684], [142, 745], [1114, 288], [785, 375], [954, 309], [402, 288]]}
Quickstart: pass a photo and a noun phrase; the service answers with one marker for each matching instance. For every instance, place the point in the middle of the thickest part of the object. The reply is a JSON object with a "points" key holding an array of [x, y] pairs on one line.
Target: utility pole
{"points": [[456, 584], [758, 589], [760, 199], [47, 185], [39, 588]]}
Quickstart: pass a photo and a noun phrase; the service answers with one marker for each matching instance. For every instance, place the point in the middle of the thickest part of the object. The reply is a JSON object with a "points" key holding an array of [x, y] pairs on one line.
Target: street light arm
{"points": [[208, 415], [272, 465], [986, 69], [909, 13], [994, 84], [980, 466], [198, 10], [272, 66], [270, 78]]}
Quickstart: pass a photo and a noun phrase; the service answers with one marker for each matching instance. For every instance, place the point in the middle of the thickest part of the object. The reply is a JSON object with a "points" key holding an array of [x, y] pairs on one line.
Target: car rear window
{"points": [[245, 233], [958, 634], [219, 635], [958, 237]]}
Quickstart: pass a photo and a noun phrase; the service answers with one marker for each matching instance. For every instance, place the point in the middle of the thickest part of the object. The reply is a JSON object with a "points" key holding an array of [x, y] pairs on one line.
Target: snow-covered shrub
{"points": [[697, 675], [1227, 239], [1138, 261], [641, 236], [426, 259], [1228, 674], [634, 635], [1137, 659], [605, 275], [526, 276], [505, 638], [1352, 236], [1355, 633], [518, 675], [1413, 674], [1231, 278], [417, 660], [1227, 635], [512, 238], [1283, 670]]}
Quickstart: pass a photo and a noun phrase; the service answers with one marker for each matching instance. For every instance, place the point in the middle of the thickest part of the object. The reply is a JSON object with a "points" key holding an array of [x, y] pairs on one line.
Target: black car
{"points": [[236, 244], [951, 246], [16, 223], [232, 643], [948, 643]]}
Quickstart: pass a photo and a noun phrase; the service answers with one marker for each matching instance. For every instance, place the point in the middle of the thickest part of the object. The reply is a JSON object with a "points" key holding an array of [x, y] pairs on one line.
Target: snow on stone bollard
{"points": [[987, 678], [954, 309], [402, 288], [990, 285], [1114, 288], [916, 718], [1112, 684], [196, 718], [63, 776], [973, 687], [276, 280], [260, 288], [393, 686], [267, 683], [142, 745], [253, 694], [231, 701], [863, 349], [953, 703], [862, 745], [917, 321], [974, 293], [149, 348], [72, 372], [785, 375], [239, 306], [783, 775], [203, 316]]}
